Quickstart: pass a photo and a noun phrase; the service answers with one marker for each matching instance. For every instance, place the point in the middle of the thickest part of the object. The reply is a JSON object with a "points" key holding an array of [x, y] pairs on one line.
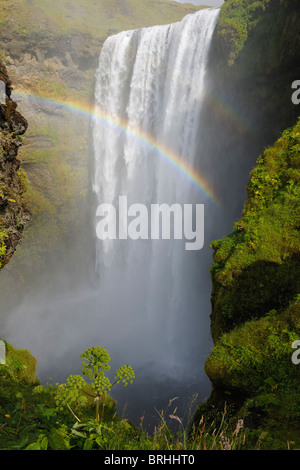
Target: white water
{"points": [[153, 294], [150, 305]]}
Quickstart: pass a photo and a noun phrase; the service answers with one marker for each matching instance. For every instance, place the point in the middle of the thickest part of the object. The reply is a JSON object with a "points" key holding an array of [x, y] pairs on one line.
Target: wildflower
{"points": [[176, 417], [8, 416], [239, 426], [225, 442]]}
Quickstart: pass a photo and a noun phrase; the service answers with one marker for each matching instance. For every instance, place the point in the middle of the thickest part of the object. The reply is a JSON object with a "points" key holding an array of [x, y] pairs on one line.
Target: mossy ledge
{"points": [[13, 208], [255, 52]]}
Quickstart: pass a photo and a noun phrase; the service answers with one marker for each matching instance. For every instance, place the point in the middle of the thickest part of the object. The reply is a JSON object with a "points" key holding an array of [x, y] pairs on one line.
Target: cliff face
{"points": [[255, 52], [14, 212], [255, 301], [255, 298]]}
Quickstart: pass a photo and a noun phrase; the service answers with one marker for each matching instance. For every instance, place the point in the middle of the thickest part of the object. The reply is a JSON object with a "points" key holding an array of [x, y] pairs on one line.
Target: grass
{"points": [[38, 425], [36, 417], [89, 16]]}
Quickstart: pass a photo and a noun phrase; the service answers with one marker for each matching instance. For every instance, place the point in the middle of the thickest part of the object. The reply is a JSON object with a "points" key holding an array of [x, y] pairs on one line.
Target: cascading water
{"points": [[157, 140], [154, 294]]}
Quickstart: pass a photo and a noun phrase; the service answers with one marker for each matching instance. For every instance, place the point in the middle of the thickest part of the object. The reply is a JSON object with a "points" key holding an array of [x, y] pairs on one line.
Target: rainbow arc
{"points": [[94, 112]]}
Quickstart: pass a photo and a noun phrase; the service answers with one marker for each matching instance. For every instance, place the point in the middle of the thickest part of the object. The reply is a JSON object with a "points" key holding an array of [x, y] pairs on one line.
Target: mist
{"points": [[147, 303]]}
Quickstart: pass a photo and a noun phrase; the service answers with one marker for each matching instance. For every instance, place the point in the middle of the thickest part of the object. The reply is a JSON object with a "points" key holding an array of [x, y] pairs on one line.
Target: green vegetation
{"points": [[241, 20], [60, 416], [264, 248], [255, 299], [97, 363], [3, 237], [91, 17], [237, 21], [262, 347], [13, 203], [255, 52]]}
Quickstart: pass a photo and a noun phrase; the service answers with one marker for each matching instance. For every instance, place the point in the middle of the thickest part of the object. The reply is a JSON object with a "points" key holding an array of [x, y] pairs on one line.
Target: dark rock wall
{"points": [[13, 209]]}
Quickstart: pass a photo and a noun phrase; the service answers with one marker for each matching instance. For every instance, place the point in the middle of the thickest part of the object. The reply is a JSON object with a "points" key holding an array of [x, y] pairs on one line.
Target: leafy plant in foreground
{"points": [[97, 363]]}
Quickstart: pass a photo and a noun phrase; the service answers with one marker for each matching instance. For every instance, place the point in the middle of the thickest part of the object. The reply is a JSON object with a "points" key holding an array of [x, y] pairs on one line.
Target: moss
{"points": [[3, 237], [255, 304], [255, 52], [20, 365], [237, 21], [256, 356], [256, 268], [14, 211], [241, 21]]}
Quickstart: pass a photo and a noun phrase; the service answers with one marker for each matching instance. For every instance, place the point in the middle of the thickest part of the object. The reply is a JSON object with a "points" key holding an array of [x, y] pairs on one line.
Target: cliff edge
{"points": [[14, 212]]}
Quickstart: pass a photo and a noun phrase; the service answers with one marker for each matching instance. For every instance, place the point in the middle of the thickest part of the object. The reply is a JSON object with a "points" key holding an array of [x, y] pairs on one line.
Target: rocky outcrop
{"points": [[13, 209]]}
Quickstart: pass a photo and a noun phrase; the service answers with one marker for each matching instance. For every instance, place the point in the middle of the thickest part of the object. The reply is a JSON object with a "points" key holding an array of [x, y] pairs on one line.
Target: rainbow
{"points": [[94, 112], [223, 107]]}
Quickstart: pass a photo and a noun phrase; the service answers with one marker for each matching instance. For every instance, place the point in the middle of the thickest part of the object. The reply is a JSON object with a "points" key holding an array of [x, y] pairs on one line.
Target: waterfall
{"points": [[153, 294], [165, 130], [162, 133]]}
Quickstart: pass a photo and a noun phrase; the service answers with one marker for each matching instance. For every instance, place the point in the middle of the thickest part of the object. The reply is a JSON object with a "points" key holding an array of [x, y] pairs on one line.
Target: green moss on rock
{"points": [[243, 21], [255, 304], [256, 268], [20, 364], [256, 356], [17, 378], [255, 52], [14, 212]]}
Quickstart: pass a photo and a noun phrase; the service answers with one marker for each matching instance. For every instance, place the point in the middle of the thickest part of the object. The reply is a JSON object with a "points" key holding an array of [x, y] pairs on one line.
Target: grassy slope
{"points": [[88, 16]]}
